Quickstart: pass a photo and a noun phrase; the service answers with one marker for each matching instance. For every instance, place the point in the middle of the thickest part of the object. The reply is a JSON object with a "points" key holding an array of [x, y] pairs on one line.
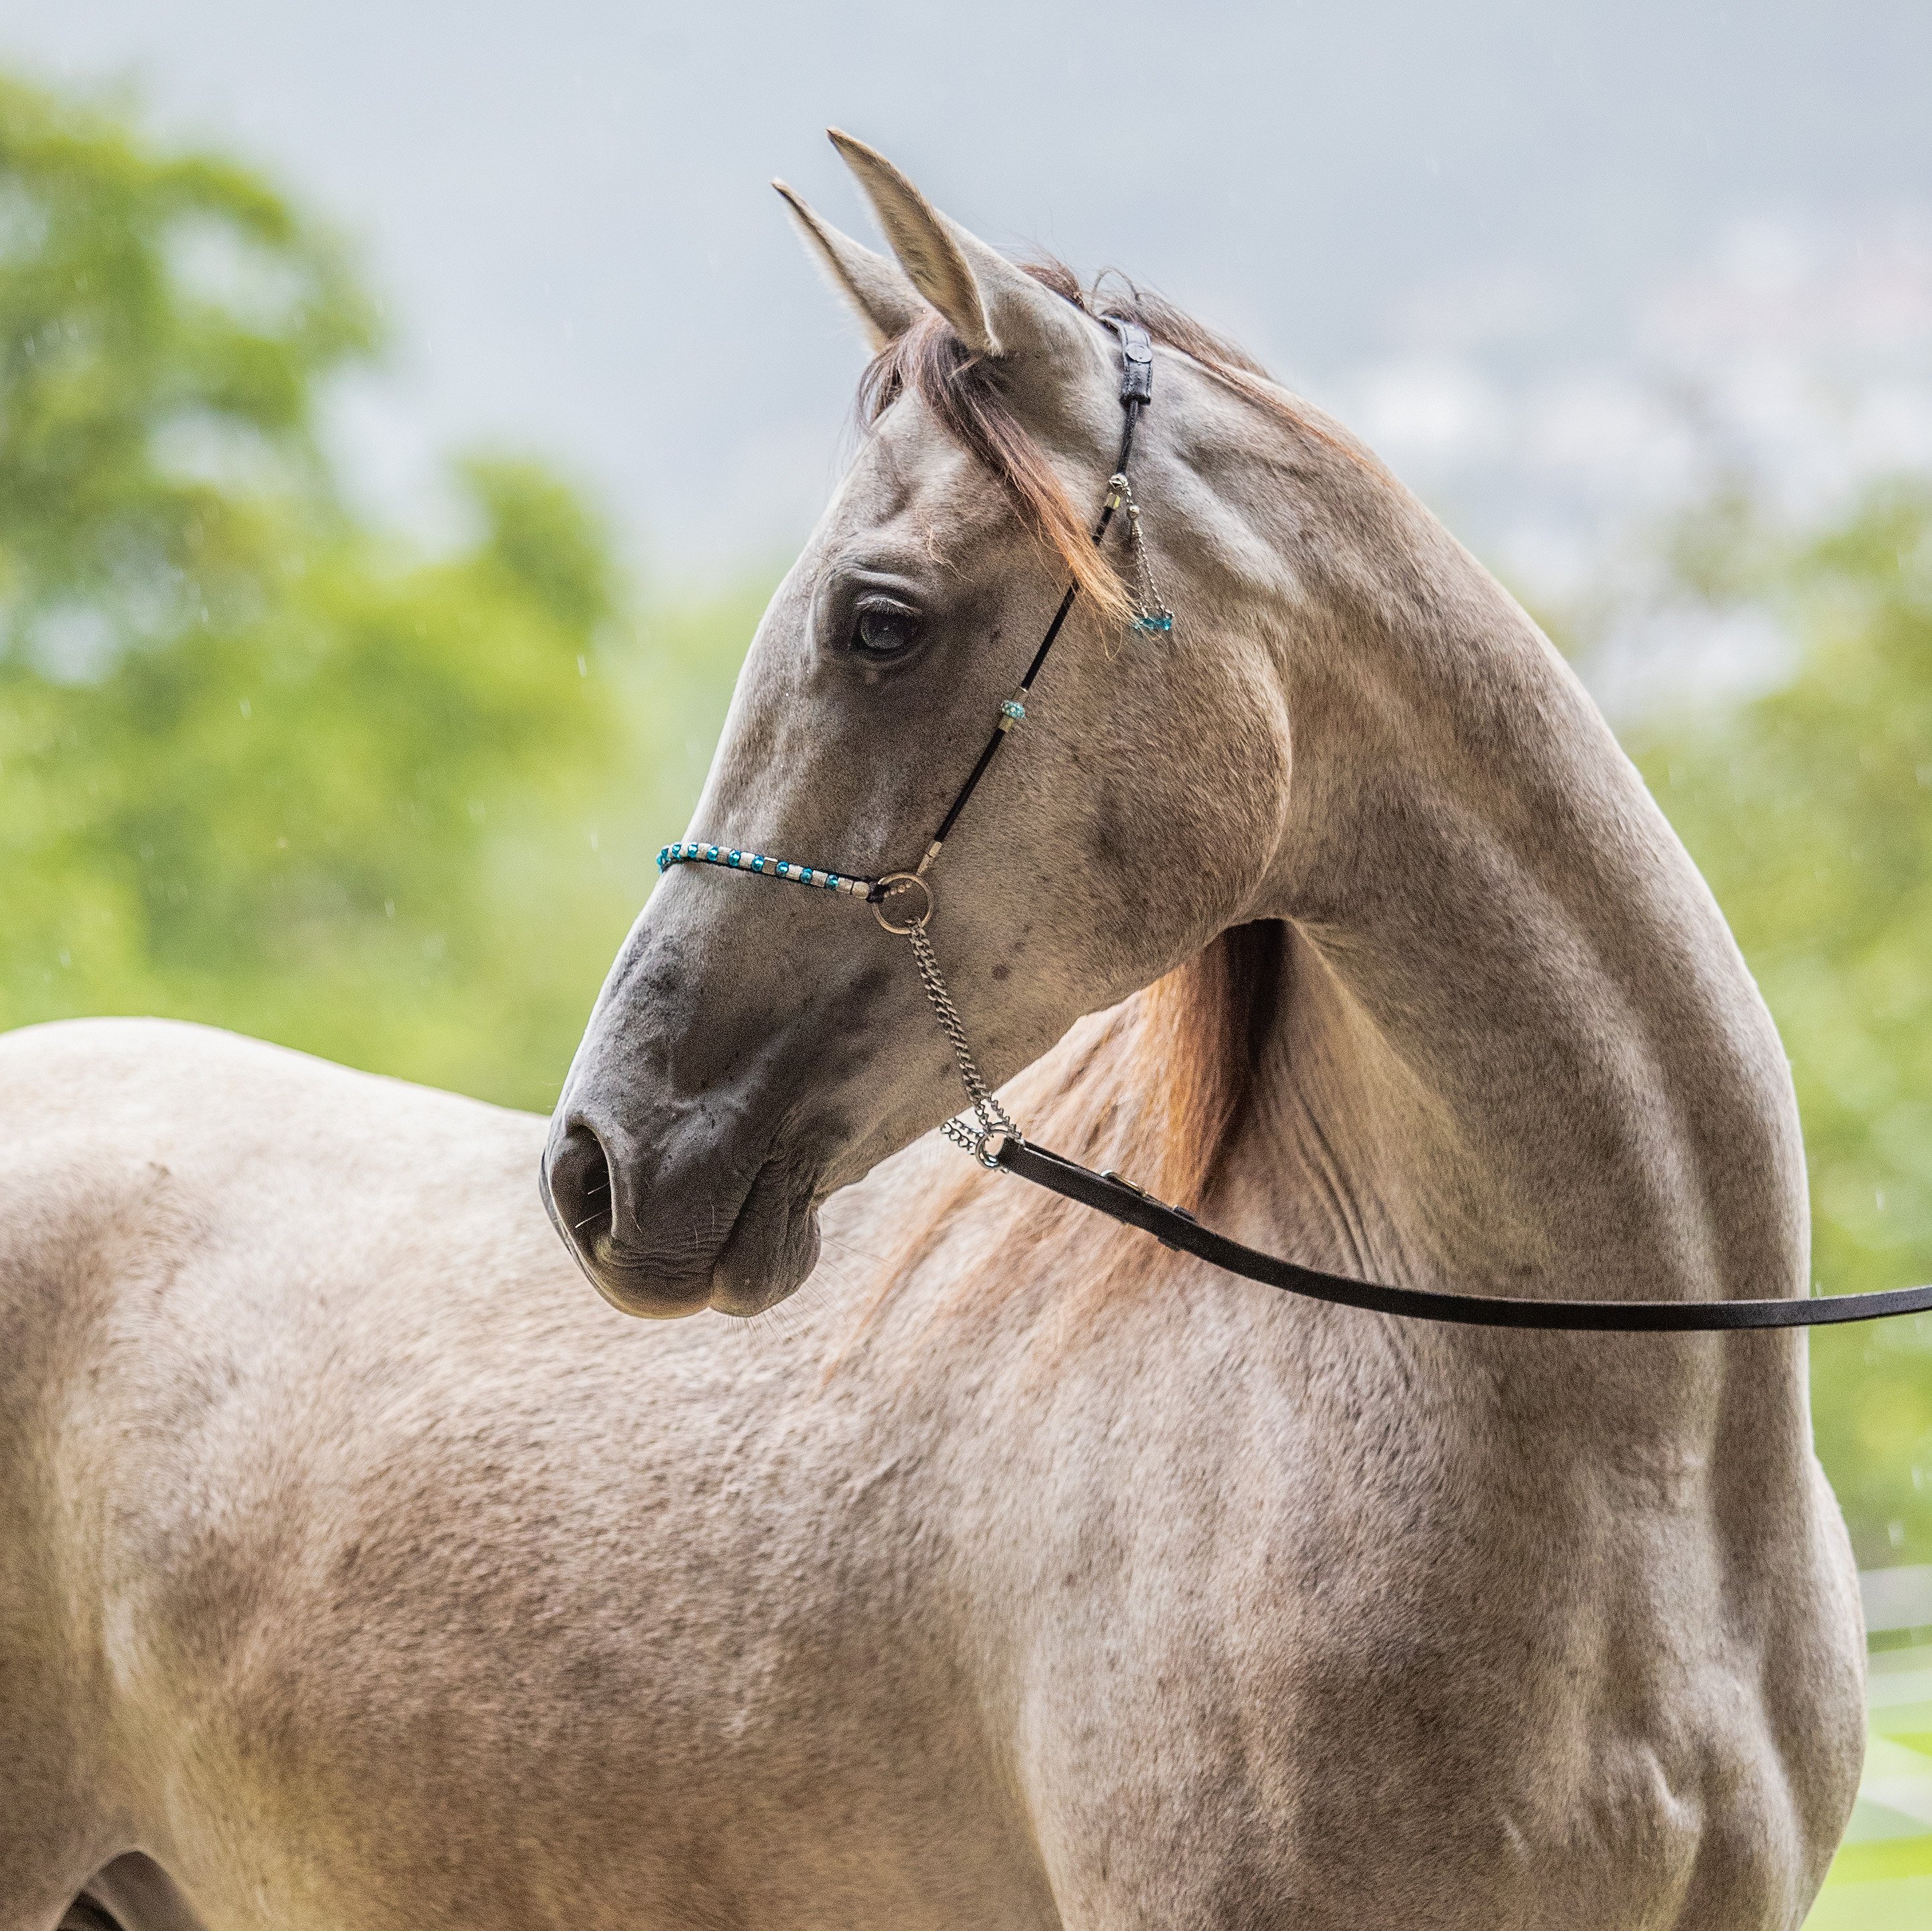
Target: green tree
{"points": [[259, 764], [1810, 811]]}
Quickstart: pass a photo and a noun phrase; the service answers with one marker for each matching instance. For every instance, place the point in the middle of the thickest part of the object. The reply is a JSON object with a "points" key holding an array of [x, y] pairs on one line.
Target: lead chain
{"points": [[991, 1116]]}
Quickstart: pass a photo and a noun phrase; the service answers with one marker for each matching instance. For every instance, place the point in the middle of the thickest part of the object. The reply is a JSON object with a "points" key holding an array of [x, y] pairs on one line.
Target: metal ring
{"points": [[894, 881]]}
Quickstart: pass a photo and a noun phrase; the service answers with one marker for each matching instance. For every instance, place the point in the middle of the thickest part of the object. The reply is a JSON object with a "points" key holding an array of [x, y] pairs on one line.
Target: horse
{"points": [[364, 1569]]}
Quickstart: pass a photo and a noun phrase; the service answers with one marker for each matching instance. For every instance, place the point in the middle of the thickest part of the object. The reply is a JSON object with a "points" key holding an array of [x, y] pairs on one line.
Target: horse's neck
{"points": [[1516, 1046]]}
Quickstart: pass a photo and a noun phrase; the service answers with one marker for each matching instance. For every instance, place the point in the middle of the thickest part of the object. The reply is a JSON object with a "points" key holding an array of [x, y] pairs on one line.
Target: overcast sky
{"points": [[564, 206]]}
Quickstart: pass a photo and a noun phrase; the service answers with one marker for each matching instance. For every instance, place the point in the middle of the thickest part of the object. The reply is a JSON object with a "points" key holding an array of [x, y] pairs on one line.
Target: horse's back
{"points": [[235, 1281], [140, 1159]]}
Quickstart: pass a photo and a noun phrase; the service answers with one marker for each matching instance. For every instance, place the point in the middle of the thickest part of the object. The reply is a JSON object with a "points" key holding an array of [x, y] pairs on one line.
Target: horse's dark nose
{"points": [[577, 1192], [586, 1191]]}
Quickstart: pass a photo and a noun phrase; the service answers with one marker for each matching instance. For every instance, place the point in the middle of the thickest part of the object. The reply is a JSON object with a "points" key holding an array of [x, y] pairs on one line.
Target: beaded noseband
{"points": [[990, 1137]]}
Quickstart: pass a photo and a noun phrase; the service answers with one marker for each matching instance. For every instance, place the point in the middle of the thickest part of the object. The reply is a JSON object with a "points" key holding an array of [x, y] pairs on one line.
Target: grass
{"points": [[1882, 1877]]}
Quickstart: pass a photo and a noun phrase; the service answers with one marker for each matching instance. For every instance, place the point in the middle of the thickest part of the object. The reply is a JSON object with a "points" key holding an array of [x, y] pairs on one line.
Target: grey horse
{"points": [[359, 1568]]}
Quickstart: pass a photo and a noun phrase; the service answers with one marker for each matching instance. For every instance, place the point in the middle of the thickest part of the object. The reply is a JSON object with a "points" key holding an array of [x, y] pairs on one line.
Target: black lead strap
{"points": [[1173, 1227]]}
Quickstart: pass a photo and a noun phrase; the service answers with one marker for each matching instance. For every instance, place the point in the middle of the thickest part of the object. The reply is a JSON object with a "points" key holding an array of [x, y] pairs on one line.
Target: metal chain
{"points": [[1154, 614], [992, 1117]]}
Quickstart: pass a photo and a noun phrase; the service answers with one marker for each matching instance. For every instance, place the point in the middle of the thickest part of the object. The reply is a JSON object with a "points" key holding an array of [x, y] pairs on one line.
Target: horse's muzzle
{"points": [[662, 1266]]}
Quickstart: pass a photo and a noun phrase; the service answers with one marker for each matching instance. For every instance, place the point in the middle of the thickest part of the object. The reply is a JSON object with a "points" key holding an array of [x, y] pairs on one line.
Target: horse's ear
{"points": [[884, 300], [996, 309]]}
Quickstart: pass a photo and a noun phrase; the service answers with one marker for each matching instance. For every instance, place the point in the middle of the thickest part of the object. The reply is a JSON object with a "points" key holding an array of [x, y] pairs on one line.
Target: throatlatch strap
{"points": [[1172, 1227]]}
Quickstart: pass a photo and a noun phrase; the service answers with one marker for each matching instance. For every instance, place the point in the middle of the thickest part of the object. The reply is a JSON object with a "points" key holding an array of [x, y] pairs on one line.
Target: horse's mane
{"points": [[1156, 1086]]}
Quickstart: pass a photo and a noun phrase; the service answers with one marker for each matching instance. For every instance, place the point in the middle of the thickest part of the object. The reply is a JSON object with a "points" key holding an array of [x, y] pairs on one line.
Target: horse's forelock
{"points": [[964, 393]]}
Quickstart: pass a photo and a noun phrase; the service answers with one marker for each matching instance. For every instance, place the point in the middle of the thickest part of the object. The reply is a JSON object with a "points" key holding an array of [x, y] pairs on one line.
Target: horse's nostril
{"points": [[578, 1174]]}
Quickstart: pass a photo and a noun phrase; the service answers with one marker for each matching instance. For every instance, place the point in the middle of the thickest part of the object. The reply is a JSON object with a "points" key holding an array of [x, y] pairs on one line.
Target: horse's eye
{"points": [[883, 629]]}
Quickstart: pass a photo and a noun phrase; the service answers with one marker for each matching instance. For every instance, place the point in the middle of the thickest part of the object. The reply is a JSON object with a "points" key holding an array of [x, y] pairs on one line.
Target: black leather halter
{"points": [[998, 1144]]}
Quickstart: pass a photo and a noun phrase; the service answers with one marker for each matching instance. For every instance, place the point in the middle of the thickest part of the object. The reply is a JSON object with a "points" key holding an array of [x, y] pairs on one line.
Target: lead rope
{"points": [[1153, 615]]}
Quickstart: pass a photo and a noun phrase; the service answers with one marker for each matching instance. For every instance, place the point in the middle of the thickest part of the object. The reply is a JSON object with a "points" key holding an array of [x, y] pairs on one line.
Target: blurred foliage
{"points": [[1810, 811], [262, 765], [259, 764]]}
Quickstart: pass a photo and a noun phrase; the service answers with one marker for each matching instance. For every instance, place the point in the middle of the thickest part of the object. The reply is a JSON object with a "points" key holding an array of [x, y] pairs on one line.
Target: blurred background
{"points": [[406, 409]]}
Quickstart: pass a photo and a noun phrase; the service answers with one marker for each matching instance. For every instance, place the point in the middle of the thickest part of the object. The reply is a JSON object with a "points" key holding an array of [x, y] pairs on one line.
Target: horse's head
{"points": [[759, 1045]]}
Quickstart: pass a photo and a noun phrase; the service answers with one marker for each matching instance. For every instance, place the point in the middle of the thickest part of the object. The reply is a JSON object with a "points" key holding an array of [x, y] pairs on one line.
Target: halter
{"points": [[988, 1133], [891, 896]]}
